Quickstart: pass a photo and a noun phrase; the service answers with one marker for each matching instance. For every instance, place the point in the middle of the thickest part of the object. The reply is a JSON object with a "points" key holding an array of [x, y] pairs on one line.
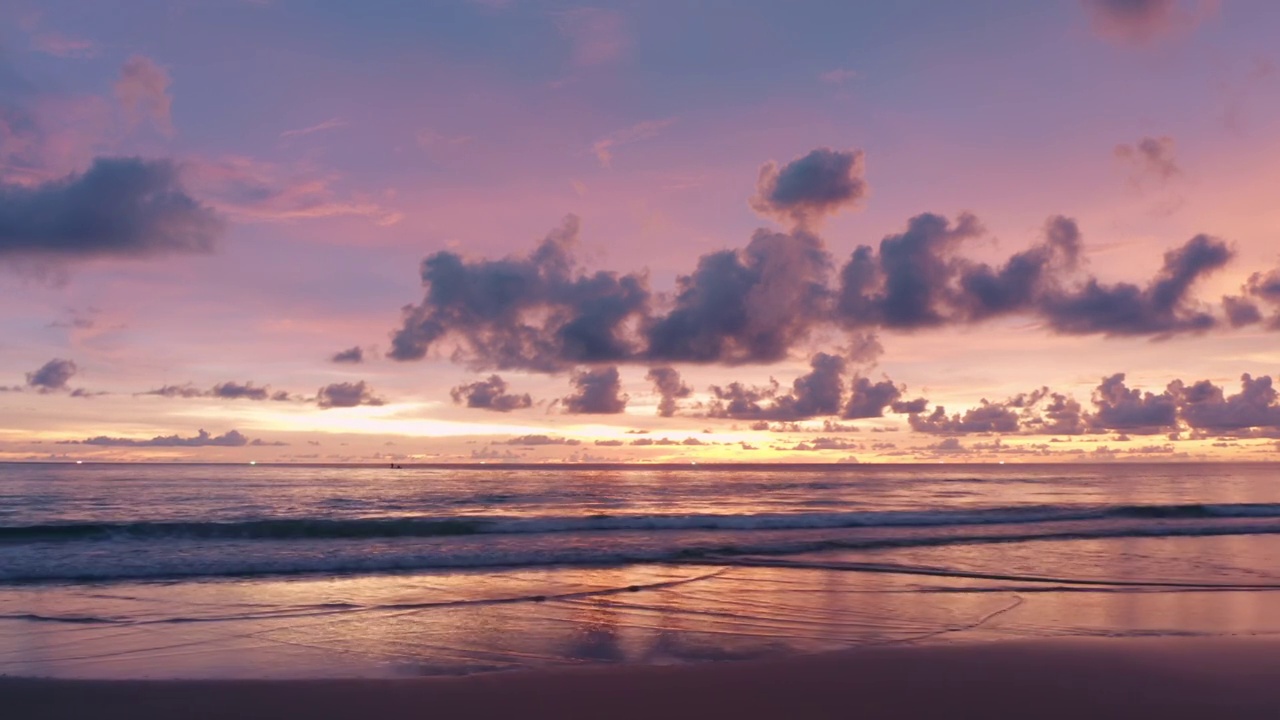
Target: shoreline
{"points": [[1178, 677]]}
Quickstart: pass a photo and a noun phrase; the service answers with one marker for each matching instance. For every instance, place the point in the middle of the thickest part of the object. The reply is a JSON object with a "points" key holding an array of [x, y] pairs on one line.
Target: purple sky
{"points": [[666, 231]]}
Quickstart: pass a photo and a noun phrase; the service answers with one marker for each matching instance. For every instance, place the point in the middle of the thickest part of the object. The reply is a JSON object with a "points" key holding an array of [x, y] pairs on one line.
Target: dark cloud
{"points": [[345, 394], [232, 438], [806, 189], [1119, 407], [762, 303], [1261, 288], [350, 355], [229, 390], [182, 391], [610, 443], [814, 394], [1024, 278], [1150, 157], [746, 306], [534, 440], [1206, 408], [539, 312], [596, 392], [1061, 415], [52, 376], [907, 284], [239, 391], [1160, 308], [987, 417], [1240, 311], [123, 207], [490, 394], [871, 399], [667, 383]]}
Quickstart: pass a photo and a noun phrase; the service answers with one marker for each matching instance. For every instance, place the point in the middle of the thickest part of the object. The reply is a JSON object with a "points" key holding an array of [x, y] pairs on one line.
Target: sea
{"points": [[281, 571]]}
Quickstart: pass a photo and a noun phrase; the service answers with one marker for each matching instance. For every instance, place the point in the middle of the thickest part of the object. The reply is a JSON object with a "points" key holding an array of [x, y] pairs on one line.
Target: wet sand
{"points": [[1168, 678]]}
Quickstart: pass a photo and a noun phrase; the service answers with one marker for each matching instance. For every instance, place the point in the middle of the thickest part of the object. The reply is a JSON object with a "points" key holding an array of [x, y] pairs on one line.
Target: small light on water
{"points": [[79, 462], [253, 462]]}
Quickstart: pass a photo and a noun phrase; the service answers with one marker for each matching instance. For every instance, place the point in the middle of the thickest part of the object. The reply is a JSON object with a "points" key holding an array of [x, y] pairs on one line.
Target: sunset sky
{"points": [[512, 230]]}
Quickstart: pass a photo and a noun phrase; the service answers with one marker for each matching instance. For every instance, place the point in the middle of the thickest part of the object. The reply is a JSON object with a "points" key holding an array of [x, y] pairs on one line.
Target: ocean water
{"points": [[311, 571]]}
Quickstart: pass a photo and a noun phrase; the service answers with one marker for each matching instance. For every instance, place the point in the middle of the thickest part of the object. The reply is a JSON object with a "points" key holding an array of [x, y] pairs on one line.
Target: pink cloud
{"points": [[596, 35], [64, 46], [603, 148], [838, 76], [1144, 21], [330, 124], [143, 92], [257, 190]]}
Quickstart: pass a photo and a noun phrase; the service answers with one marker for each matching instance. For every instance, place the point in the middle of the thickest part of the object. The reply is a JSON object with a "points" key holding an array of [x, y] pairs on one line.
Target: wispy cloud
{"points": [[330, 124], [604, 147], [143, 92], [838, 76], [64, 46], [428, 139], [260, 190], [596, 35]]}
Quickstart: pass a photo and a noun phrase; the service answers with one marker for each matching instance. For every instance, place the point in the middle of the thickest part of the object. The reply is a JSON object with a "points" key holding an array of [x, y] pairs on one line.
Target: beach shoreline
{"points": [[1176, 677]]}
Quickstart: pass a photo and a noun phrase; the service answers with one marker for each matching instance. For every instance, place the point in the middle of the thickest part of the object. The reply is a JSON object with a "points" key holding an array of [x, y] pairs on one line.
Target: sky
{"points": [[711, 231]]}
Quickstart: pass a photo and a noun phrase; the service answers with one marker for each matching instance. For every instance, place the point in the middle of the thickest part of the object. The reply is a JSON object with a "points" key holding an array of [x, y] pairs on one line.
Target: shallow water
{"points": [[232, 571]]}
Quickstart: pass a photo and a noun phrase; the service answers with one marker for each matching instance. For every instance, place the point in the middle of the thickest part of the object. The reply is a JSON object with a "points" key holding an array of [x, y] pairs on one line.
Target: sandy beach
{"points": [[1063, 678]]}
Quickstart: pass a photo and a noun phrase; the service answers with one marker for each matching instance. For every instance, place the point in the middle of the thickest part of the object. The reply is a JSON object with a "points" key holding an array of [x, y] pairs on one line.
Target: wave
{"points": [[423, 527], [233, 559]]}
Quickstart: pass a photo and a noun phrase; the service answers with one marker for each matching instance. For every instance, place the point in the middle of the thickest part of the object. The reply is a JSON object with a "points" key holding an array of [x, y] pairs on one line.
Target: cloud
{"points": [[229, 390], [988, 417], [64, 46], [811, 187], [746, 306], [345, 395], [767, 301], [52, 376], [538, 312], [596, 35], [825, 443], [237, 391], [596, 392], [907, 284], [330, 124], [815, 394], [350, 355], [871, 399], [1150, 157], [1259, 288], [667, 383], [536, 440], [1024, 278], [232, 438], [490, 394], [1160, 308], [1144, 21], [1208, 410], [143, 92], [1132, 411], [121, 207], [1240, 311], [604, 147], [256, 190], [838, 76]]}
